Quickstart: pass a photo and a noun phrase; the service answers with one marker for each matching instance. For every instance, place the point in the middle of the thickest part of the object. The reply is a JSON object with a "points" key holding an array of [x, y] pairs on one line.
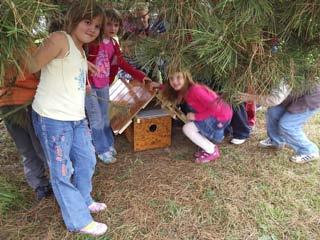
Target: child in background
{"points": [[59, 115], [108, 59], [20, 128], [211, 113], [139, 24], [142, 24], [285, 118]]}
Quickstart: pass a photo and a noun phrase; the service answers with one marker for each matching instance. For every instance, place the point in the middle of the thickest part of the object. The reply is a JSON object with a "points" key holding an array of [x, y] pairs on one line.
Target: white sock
{"points": [[192, 132]]}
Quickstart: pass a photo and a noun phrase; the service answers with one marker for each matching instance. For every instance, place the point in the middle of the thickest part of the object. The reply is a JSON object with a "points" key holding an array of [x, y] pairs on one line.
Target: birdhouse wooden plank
{"points": [[127, 99]]}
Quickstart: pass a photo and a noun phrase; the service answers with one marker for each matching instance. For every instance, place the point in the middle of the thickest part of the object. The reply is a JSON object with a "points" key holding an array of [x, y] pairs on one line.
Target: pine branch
{"points": [[21, 23]]}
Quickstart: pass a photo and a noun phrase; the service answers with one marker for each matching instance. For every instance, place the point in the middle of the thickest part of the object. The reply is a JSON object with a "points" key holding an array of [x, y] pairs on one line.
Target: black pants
{"points": [[239, 123]]}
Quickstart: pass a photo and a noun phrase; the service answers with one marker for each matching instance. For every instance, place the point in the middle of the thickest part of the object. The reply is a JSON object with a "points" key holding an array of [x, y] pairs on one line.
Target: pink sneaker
{"points": [[97, 207], [207, 157]]}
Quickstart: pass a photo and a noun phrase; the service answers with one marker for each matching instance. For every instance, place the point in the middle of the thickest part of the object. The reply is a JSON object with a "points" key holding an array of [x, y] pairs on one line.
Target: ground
{"points": [[249, 193]]}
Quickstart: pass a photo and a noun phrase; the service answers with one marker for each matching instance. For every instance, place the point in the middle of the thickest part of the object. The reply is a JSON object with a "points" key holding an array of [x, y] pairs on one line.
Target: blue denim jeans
{"points": [[284, 127], [212, 129], [97, 104], [71, 160]]}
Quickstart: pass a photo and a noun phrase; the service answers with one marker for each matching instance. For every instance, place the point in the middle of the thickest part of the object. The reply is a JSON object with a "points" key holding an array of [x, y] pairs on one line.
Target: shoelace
{"points": [[268, 141], [307, 158], [205, 154]]}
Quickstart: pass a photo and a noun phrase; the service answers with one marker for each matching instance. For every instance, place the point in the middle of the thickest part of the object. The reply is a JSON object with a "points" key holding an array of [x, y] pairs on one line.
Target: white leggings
{"points": [[192, 132]]}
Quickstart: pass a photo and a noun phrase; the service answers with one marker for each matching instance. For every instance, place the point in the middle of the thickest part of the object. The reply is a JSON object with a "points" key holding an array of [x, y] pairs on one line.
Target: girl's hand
{"points": [[92, 68], [191, 116], [154, 85], [88, 89], [146, 79], [151, 84], [88, 86]]}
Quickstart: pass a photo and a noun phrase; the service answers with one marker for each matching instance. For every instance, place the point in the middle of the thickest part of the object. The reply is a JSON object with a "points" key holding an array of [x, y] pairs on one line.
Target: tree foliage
{"points": [[240, 45], [232, 45], [21, 23]]}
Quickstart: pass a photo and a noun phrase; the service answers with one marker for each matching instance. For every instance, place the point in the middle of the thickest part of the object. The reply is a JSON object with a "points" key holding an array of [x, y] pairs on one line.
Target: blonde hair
{"points": [[139, 7], [169, 93], [83, 10]]}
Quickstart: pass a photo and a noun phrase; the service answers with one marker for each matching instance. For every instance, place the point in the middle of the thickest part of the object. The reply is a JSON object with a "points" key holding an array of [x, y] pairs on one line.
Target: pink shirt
{"points": [[109, 47], [102, 62], [206, 103], [108, 58]]}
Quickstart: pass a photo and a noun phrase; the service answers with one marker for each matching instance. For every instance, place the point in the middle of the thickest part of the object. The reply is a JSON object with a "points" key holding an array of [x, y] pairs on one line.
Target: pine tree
{"points": [[22, 23], [240, 45], [232, 45]]}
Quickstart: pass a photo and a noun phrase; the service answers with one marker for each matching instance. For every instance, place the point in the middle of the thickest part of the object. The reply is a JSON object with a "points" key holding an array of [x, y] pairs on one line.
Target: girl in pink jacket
{"points": [[210, 116]]}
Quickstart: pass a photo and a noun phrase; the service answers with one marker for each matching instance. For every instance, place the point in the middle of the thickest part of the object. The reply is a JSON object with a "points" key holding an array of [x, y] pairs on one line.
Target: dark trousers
{"points": [[239, 122], [28, 145]]}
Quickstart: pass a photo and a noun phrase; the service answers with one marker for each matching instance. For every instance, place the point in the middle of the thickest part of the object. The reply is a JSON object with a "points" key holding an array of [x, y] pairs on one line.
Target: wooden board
{"points": [[127, 99], [151, 129], [171, 109]]}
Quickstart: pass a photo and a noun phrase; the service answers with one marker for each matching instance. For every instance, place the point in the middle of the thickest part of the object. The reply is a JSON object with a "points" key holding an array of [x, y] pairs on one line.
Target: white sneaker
{"points": [[266, 143], [113, 151], [94, 229], [97, 207], [304, 158], [237, 141], [107, 157], [259, 108]]}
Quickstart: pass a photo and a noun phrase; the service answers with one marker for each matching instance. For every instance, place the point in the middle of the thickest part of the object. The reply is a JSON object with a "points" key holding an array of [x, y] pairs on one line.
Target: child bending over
{"points": [[286, 115], [22, 132], [210, 117]]}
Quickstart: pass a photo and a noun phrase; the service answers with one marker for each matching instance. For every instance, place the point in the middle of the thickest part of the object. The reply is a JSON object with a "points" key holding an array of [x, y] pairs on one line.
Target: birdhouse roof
{"points": [[127, 99]]}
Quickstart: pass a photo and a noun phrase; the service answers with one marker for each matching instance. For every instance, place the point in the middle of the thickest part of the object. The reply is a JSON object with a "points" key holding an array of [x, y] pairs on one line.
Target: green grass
{"points": [[87, 237], [249, 193], [9, 196]]}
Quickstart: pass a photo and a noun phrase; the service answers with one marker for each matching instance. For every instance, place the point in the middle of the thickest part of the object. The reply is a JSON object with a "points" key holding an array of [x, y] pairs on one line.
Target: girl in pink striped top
{"points": [[210, 116], [107, 57]]}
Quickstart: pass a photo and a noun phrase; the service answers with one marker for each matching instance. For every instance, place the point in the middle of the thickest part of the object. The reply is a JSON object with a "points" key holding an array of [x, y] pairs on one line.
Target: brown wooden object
{"points": [[127, 99], [150, 129], [171, 109]]}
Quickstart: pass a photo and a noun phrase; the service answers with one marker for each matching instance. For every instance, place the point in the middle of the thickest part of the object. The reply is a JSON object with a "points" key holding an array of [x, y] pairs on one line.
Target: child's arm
{"points": [[123, 64], [55, 46], [276, 96]]}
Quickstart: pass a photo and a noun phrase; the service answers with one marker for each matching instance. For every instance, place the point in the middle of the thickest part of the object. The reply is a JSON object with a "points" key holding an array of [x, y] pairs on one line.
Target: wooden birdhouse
{"points": [[145, 127], [150, 129]]}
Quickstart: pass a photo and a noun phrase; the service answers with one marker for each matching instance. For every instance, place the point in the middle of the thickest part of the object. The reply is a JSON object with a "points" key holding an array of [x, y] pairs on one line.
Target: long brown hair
{"points": [[83, 10], [168, 92]]}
